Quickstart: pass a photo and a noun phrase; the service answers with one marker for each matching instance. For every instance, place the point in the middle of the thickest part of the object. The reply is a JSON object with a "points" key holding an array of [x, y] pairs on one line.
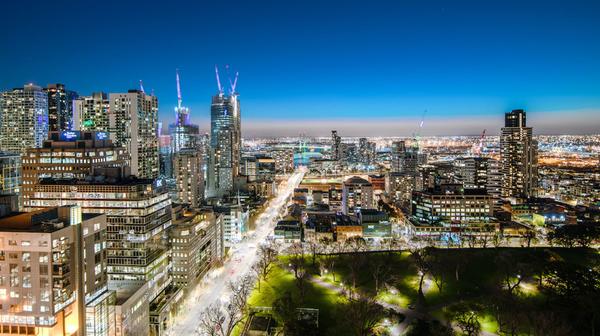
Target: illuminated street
{"points": [[240, 260]]}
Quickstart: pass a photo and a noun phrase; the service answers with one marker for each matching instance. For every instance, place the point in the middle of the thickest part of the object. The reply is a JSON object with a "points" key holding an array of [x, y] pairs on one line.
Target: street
{"points": [[239, 262]]}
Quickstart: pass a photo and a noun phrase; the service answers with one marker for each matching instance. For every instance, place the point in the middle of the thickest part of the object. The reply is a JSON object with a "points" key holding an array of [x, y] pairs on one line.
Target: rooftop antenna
{"points": [[142, 87], [178, 89], [218, 80]]}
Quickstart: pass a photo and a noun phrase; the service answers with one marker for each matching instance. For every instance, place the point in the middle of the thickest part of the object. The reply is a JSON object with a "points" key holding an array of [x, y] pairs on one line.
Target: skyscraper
{"points": [[184, 134], [225, 141], [518, 157], [133, 121], [60, 107], [90, 113], [336, 141], [10, 173], [23, 118]]}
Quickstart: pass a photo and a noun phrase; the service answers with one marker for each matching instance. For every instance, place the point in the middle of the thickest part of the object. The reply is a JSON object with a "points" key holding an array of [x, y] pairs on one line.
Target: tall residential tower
{"points": [[518, 157], [225, 140]]}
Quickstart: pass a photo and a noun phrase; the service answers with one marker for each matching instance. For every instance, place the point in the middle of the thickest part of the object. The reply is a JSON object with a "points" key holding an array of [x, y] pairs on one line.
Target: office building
{"points": [[23, 118], [451, 204], [518, 157], [138, 214], [478, 173], [69, 154], [234, 219], [133, 124], [225, 142], [189, 177], [10, 173], [55, 281], [357, 193], [196, 239], [60, 107], [90, 113]]}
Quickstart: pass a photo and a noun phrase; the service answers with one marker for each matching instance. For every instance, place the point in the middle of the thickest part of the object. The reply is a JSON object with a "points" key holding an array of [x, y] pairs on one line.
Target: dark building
{"points": [[60, 107]]}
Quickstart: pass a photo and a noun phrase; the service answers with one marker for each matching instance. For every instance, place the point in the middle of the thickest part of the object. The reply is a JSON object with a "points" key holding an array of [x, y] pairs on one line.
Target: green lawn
{"points": [[280, 281]]}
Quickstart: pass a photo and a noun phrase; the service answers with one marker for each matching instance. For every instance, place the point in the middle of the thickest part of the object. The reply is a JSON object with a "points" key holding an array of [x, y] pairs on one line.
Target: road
{"points": [[241, 258]]}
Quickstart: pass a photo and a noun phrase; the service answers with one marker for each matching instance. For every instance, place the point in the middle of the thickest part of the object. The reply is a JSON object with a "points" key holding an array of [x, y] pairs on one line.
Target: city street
{"points": [[239, 262]]}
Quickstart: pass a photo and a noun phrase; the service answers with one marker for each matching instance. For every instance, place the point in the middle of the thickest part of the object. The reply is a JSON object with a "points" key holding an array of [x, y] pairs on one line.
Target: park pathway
{"points": [[410, 315]]}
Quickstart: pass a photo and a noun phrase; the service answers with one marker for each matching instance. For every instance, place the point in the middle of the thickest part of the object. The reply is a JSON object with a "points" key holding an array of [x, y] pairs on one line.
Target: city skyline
{"points": [[304, 71]]}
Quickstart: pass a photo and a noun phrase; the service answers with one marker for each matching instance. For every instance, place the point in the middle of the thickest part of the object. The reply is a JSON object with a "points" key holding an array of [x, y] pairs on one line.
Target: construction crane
{"points": [[218, 80], [418, 135], [478, 148], [179, 100]]}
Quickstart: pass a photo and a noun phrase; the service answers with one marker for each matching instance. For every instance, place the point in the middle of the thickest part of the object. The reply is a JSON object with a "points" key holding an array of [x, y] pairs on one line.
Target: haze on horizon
{"points": [[308, 67]]}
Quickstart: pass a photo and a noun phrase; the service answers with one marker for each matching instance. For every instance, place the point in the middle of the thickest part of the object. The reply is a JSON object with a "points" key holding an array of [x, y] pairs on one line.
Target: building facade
{"points": [[357, 193], [23, 118], [60, 107], [90, 113], [518, 157], [189, 177], [10, 173], [225, 144], [133, 124]]}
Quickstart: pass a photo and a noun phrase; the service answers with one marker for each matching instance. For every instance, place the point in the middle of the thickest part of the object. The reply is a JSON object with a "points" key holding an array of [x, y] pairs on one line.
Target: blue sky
{"points": [[324, 62]]}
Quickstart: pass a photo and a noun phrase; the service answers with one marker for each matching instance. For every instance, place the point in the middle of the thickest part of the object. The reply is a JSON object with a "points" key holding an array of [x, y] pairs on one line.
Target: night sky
{"points": [[362, 67]]}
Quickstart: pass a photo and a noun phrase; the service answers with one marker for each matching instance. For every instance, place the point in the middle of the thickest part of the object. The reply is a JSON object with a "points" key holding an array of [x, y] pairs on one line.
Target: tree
{"points": [[380, 269], [438, 268], [355, 258], [429, 328], [314, 248], [420, 259], [529, 237], [267, 255], [497, 239], [511, 272], [362, 315], [572, 235], [486, 234], [466, 318], [221, 319], [212, 321]]}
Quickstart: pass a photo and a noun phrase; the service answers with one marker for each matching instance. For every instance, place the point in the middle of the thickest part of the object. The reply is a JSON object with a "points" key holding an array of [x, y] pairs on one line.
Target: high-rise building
{"points": [[69, 154], [165, 155], [478, 173], [366, 151], [225, 142], [189, 177], [196, 238], [183, 133], [90, 113], [518, 157], [138, 214], [23, 118], [57, 271], [10, 173], [60, 107], [133, 121], [336, 141], [406, 159], [357, 193]]}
